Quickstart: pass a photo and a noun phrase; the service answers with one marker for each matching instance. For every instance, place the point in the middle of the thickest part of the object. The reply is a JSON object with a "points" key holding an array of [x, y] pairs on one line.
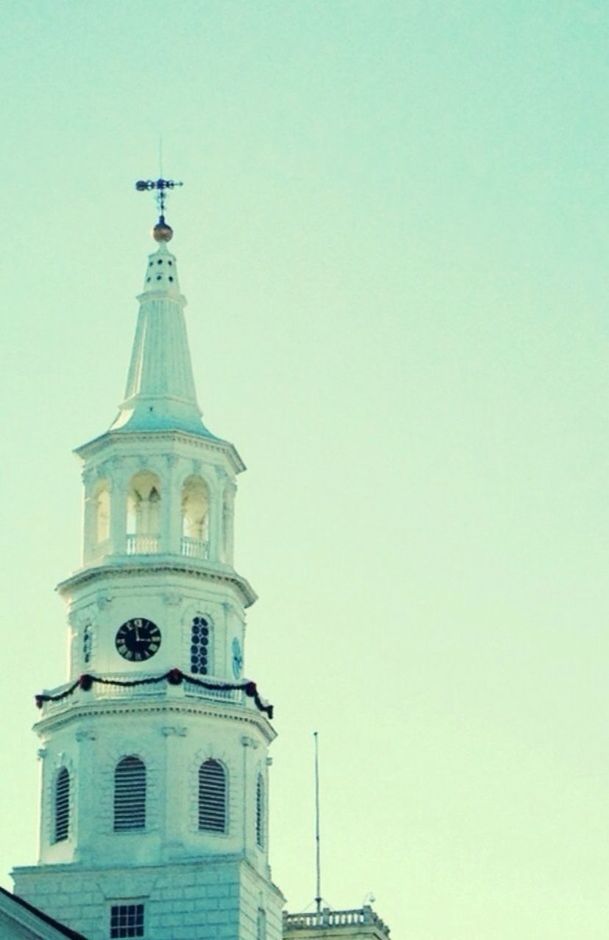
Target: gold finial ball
{"points": [[161, 231]]}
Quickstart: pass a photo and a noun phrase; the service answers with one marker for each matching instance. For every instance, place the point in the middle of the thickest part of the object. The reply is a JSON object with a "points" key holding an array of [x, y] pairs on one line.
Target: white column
{"points": [[118, 507], [172, 510], [89, 520]]}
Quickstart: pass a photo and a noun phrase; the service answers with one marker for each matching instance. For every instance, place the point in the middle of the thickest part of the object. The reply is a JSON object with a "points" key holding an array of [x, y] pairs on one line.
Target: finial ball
{"points": [[162, 232]]}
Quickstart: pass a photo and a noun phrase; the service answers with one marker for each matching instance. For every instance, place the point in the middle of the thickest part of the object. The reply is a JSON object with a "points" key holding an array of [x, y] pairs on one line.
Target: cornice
{"points": [[201, 442], [108, 708], [125, 567]]}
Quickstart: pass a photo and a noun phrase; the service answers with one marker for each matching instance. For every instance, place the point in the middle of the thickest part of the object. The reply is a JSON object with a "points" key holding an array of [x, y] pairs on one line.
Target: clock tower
{"points": [[154, 784]]}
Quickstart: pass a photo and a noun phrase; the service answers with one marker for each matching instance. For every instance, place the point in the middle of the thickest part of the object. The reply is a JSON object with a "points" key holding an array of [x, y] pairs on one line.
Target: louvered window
{"points": [[130, 795], [260, 807], [61, 822], [126, 920], [212, 796]]}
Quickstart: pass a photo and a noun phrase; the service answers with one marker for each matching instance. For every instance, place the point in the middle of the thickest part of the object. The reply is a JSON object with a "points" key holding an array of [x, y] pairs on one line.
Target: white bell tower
{"points": [[154, 752]]}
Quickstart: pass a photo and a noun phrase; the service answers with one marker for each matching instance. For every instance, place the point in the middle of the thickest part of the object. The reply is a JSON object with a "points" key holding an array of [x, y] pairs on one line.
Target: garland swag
{"points": [[173, 677]]}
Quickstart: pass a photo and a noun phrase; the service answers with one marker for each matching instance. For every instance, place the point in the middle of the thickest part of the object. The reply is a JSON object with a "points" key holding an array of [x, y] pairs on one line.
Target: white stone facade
{"points": [[214, 899]]}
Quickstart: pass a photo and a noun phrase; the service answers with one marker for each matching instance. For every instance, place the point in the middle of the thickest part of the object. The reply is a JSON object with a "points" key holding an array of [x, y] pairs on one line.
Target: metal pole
{"points": [[317, 842]]}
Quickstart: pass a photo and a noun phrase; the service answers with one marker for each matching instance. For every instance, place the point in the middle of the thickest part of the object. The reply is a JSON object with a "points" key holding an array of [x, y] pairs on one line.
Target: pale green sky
{"points": [[394, 239]]}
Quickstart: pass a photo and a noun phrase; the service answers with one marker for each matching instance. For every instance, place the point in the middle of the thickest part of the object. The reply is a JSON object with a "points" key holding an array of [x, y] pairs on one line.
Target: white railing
{"points": [[105, 691], [142, 544], [222, 695], [194, 548], [313, 920]]}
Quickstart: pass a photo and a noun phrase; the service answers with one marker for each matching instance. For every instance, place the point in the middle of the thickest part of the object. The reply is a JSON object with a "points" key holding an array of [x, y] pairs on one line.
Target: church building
{"points": [[154, 752]]}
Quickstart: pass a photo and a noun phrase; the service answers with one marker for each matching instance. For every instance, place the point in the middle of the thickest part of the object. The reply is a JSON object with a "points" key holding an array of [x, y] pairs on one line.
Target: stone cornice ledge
{"points": [[97, 709], [124, 566], [202, 441]]}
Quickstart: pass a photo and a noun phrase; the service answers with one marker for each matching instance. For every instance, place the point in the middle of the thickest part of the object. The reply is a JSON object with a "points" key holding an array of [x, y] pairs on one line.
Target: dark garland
{"points": [[173, 677]]}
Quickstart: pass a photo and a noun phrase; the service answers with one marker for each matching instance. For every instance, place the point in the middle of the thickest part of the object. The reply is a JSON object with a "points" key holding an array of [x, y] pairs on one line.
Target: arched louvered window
{"points": [[200, 639], [129, 794], [212, 796], [61, 818], [260, 811]]}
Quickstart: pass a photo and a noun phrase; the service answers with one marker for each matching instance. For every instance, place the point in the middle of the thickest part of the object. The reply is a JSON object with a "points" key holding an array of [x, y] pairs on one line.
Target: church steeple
{"points": [[155, 768]]}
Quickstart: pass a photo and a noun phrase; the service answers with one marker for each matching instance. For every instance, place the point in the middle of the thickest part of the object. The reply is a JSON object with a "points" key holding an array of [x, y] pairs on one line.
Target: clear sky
{"points": [[394, 239]]}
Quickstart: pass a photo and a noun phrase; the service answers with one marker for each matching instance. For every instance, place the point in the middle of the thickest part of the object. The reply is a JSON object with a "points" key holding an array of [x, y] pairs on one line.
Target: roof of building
{"points": [[60, 929]]}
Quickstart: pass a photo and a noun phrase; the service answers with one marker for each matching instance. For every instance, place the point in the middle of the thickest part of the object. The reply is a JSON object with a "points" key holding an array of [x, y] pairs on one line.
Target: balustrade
{"points": [[106, 691], [142, 544], [311, 920], [194, 548]]}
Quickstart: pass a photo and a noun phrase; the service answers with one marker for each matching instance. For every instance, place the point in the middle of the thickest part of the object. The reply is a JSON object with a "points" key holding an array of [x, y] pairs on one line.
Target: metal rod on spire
{"points": [[317, 834], [161, 231], [161, 186]]}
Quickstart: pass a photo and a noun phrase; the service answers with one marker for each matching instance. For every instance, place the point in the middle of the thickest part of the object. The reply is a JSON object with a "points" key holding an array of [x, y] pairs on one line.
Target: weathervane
{"points": [[162, 232]]}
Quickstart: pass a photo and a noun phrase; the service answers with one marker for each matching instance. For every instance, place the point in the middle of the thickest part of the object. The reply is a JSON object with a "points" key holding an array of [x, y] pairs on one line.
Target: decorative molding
{"points": [[172, 731], [128, 569], [184, 707], [104, 599], [213, 444]]}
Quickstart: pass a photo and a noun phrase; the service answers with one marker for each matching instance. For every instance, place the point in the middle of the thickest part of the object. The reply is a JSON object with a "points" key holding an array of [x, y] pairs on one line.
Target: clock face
{"points": [[138, 639], [237, 658]]}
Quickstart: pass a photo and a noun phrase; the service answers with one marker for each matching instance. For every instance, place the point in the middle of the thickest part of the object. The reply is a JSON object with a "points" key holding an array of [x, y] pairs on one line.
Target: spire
{"points": [[160, 391]]}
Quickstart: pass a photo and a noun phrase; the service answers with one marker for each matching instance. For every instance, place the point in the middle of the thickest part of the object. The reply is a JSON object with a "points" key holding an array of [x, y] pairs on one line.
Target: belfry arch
{"points": [[143, 513], [194, 509]]}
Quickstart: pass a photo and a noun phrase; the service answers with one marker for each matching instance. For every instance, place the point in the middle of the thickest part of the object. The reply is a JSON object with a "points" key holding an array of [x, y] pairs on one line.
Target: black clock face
{"points": [[138, 639]]}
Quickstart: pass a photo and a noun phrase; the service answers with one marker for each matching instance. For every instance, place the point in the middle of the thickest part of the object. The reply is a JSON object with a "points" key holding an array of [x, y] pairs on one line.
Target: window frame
{"points": [[216, 812], [61, 813], [129, 800], [260, 811], [121, 930]]}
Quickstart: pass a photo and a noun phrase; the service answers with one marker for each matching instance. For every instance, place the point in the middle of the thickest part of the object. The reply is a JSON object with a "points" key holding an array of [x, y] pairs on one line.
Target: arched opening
{"points": [[102, 513], [195, 517], [212, 796], [61, 815], [129, 794], [143, 513]]}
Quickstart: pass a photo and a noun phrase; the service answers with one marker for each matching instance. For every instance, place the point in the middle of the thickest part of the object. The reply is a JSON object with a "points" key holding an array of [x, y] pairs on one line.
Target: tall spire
{"points": [[160, 391]]}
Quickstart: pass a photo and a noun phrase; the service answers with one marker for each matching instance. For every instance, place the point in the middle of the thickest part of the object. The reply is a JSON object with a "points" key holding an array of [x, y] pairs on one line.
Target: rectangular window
{"points": [[261, 924], [126, 920]]}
